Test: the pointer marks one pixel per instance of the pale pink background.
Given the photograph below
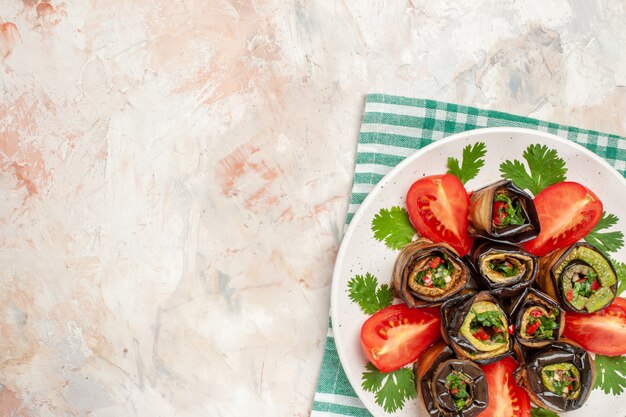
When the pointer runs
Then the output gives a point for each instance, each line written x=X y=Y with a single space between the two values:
x=175 y=176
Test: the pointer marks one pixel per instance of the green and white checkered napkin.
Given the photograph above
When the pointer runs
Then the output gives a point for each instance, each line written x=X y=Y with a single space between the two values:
x=393 y=128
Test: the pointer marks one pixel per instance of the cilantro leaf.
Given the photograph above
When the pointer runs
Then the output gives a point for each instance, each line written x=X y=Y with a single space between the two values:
x=393 y=227
x=390 y=390
x=610 y=374
x=606 y=241
x=363 y=291
x=620 y=268
x=546 y=168
x=472 y=162
x=542 y=412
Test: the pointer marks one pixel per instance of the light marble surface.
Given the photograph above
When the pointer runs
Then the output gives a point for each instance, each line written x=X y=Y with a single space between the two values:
x=175 y=176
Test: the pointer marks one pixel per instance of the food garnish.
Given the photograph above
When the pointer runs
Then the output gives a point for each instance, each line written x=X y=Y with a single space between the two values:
x=396 y=335
x=546 y=168
x=364 y=291
x=472 y=162
x=391 y=390
x=606 y=241
x=393 y=227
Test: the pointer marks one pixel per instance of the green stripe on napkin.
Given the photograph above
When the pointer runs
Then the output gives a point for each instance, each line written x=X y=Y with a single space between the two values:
x=393 y=128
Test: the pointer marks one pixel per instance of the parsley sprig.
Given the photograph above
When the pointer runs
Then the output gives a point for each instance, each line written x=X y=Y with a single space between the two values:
x=504 y=267
x=545 y=165
x=472 y=162
x=393 y=227
x=390 y=390
x=610 y=374
x=364 y=291
x=606 y=241
x=487 y=319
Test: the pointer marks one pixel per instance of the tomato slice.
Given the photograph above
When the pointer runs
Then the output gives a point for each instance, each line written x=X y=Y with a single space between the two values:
x=506 y=398
x=602 y=332
x=438 y=207
x=567 y=212
x=396 y=335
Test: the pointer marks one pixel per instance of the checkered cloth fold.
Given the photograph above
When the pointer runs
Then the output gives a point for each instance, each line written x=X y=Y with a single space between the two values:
x=393 y=128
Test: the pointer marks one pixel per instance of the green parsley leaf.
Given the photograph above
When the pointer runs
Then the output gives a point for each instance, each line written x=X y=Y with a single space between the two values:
x=542 y=412
x=391 y=390
x=363 y=291
x=620 y=268
x=610 y=374
x=472 y=162
x=487 y=319
x=393 y=227
x=606 y=241
x=546 y=168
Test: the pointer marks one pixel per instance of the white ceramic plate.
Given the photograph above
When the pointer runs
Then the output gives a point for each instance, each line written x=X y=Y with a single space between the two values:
x=361 y=253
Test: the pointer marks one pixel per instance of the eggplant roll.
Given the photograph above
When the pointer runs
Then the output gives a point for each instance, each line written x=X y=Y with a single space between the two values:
x=559 y=377
x=476 y=328
x=447 y=386
x=504 y=213
x=503 y=269
x=538 y=319
x=580 y=277
x=427 y=273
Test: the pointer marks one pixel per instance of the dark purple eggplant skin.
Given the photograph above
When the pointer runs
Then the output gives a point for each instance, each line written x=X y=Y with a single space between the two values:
x=481 y=226
x=549 y=283
x=453 y=313
x=509 y=289
x=528 y=375
x=411 y=254
x=430 y=382
x=530 y=299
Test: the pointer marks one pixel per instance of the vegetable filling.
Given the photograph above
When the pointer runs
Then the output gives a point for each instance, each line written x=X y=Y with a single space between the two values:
x=506 y=212
x=457 y=384
x=437 y=273
x=562 y=379
x=488 y=327
x=505 y=267
x=540 y=324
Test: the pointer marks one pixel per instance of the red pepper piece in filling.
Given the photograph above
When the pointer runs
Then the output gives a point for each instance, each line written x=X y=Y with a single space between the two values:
x=570 y=295
x=595 y=285
x=435 y=262
x=499 y=212
x=481 y=334
x=533 y=328
x=428 y=280
x=536 y=313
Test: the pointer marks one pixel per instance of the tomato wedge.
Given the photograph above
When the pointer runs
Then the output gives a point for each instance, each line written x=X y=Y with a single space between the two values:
x=567 y=212
x=506 y=398
x=438 y=207
x=396 y=335
x=603 y=332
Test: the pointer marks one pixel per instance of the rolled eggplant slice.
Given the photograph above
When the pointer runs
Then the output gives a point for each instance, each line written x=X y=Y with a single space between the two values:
x=427 y=273
x=503 y=269
x=476 y=328
x=539 y=319
x=504 y=213
x=559 y=377
x=580 y=277
x=449 y=387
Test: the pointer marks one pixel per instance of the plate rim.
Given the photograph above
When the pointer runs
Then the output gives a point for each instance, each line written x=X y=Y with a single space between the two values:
x=335 y=291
